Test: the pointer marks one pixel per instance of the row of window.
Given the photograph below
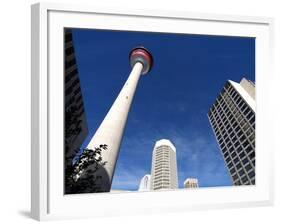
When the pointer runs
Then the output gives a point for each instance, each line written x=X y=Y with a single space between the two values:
x=161 y=161
x=161 y=185
x=158 y=180
x=164 y=168
x=70 y=75
x=240 y=104
x=228 y=128
x=72 y=86
x=162 y=156
x=70 y=63
x=162 y=171
x=162 y=164
x=162 y=153
x=69 y=50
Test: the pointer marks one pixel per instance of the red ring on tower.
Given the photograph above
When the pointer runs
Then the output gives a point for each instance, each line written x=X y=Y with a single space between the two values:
x=142 y=55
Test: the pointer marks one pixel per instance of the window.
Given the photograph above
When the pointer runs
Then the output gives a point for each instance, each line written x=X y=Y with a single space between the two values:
x=241 y=172
x=250 y=115
x=227 y=159
x=252 y=120
x=230 y=165
x=236 y=144
x=252 y=174
x=71 y=74
x=245 y=161
x=236 y=160
x=238 y=166
x=246 y=143
x=249 y=132
x=225 y=154
x=237 y=129
x=70 y=63
x=232 y=171
x=247 y=111
x=254 y=162
x=248 y=167
x=240 y=104
x=242 y=154
x=243 y=107
x=239 y=149
x=244 y=179
x=242 y=138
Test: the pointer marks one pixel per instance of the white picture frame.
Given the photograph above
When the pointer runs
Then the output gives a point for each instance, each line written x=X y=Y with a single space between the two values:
x=48 y=201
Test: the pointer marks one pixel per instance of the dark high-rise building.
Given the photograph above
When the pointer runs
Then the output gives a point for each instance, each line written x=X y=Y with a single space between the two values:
x=232 y=117
x=75 y=123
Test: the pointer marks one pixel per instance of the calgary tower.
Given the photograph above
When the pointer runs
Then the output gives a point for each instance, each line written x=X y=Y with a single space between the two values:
x=110 y=131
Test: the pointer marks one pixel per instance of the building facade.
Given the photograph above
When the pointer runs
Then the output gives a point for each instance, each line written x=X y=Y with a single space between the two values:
x=164 y=174
x=145 y=183
x=75 y=123
x=232 y=117
x=191 y=183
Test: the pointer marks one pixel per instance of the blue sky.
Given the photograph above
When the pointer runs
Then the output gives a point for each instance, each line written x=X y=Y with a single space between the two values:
x=171 y=102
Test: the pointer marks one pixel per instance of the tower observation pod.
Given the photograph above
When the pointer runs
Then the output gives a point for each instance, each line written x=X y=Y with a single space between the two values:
x=110 y=131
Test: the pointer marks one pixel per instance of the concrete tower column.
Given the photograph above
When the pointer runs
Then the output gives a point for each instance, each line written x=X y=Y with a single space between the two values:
x=110 y=131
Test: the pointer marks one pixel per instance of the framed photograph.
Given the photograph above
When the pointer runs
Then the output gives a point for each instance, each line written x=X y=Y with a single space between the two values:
x=137 y=111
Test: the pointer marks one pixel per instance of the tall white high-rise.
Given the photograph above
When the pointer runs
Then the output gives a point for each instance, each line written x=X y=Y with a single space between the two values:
x=164 y=174
x=145 y=183
x=110 y=131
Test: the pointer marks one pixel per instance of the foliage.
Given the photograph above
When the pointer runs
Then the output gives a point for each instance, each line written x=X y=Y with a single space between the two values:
x=82 y=178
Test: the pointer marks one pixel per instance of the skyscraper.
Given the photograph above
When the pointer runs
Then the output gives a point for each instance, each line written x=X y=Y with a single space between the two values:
x=145 y=183
x=76 y=128
x=232 y=117
x=191 y=183
x=164 y=174
x=75 y=123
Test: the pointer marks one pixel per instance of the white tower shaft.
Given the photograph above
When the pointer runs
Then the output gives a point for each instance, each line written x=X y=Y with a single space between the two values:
x=110 y=131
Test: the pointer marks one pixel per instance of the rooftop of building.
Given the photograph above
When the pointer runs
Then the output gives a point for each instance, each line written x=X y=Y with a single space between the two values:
x=165 y=142
x=244 y=93
x=193 y=180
